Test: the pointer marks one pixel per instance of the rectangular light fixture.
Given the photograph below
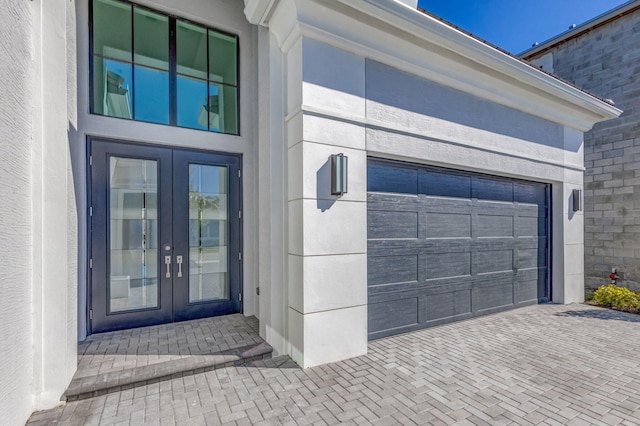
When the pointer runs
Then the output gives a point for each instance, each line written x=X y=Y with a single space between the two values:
x=577 y=200
x=339 y=168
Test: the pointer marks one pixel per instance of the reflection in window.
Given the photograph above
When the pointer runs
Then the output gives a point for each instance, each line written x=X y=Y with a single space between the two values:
x=133 y=69
x=207 y=79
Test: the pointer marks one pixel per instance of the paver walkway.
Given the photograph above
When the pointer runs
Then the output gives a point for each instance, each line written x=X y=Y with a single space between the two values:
x=546 y=364
x=118 y=360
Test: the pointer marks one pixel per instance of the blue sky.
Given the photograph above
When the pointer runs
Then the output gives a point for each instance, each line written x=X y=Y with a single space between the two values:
x=515 y=25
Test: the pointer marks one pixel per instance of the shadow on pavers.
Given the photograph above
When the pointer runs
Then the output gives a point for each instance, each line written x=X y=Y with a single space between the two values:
x=597 y=312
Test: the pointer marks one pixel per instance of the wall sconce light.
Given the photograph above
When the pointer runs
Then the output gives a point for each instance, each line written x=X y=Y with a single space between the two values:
x=577 y=200
x=339 y=167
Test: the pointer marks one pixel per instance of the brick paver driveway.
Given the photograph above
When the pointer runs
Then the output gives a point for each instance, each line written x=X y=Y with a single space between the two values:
x=547 y=364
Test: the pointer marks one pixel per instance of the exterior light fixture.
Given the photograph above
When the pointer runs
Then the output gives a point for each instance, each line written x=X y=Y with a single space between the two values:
x=339 y=168
x=577 y=200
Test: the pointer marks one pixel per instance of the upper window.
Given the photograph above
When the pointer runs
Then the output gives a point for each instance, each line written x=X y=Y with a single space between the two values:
x=151 y=67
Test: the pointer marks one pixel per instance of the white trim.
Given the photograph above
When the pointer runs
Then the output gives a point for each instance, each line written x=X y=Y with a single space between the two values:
x=388 y=127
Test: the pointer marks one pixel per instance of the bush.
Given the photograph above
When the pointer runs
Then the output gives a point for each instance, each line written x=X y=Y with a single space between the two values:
x=612 y=296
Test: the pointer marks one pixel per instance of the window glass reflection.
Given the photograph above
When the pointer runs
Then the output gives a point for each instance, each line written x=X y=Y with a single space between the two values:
x=192 y=103
x=151 y=95
x=133 y=68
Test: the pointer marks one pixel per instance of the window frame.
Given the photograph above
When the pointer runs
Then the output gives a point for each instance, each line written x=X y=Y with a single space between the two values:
x=172 y=67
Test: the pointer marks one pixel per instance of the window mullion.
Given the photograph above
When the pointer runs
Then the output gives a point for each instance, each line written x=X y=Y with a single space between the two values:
x=133 y=64
x=208 y=83
x=173 y=73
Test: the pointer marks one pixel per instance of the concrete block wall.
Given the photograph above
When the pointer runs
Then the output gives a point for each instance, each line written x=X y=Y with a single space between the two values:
x=605 y=62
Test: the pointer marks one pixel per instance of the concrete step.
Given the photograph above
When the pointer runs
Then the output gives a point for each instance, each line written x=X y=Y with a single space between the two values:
x=114 y=381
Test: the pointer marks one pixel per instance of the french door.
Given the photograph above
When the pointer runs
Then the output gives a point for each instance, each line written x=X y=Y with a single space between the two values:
x=164 y=235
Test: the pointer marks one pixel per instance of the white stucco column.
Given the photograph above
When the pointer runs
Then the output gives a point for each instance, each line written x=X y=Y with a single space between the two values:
x=54 y=203
x=327 y=262
x=568 y=227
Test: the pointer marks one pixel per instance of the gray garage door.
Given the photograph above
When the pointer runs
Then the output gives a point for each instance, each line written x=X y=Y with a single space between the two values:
x=447 y=245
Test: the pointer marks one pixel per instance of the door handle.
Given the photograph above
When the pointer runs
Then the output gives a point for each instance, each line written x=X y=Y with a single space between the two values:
x=179 y=262
x=167 y=261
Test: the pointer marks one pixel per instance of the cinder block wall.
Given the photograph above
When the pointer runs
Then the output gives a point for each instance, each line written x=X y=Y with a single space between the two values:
x=606 y=62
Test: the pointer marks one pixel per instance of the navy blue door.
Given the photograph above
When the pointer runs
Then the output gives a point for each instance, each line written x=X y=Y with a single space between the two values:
x=165 y=235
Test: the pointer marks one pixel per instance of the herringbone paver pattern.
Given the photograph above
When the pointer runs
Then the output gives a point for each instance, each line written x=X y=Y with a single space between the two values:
x=137 y=347
x=547 y=364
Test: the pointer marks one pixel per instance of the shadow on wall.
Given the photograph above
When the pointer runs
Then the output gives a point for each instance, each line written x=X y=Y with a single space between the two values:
x=601 y=313
x=78 y=156
x=570 y=212
x=394 y=88
x=323 y=187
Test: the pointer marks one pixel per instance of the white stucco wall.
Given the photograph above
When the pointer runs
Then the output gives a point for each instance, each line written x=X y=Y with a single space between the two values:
x=16 y=140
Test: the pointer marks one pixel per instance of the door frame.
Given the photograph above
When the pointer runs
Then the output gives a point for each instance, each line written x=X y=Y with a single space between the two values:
x=88 y=215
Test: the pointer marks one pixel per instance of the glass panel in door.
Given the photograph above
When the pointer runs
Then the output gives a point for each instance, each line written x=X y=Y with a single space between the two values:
x=133 y=243
x=208 y=249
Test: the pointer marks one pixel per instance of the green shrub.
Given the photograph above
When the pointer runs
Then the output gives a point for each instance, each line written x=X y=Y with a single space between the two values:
x=612 y=296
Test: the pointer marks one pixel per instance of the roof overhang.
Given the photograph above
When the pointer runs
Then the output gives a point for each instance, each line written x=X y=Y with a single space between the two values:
x=389 y=31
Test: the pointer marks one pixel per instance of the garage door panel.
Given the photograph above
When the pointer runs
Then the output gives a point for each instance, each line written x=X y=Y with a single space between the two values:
x=444 y=185
x=463 y=245
x=392 y=269
x=487 y=261
x=497 y=295
x=420 y=288
x=393 y=314
x=448 y=306
x=528 y=226
x=447 y=225
x=532 y=258
x=392 y=224
x=492 y=189
x=396 y=179
x=530 y=194
x=443 y=265
x=526 y=292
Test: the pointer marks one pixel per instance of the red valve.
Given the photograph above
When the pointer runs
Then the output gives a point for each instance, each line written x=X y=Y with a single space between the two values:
x=613 y=276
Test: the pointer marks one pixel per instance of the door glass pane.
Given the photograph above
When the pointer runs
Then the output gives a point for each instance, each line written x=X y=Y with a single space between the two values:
x=133 y=243
x=208 y=277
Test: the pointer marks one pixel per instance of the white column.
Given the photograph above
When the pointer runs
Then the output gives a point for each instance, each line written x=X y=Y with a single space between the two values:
x=327 y=261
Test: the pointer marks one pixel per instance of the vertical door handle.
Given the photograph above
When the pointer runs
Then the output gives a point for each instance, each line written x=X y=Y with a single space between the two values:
x=167 y=261
x=179 y=262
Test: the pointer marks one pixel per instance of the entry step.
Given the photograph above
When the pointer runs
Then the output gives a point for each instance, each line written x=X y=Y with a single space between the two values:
x=120 y=360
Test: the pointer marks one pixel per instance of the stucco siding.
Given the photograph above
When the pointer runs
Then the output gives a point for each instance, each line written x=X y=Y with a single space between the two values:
x=605 y=62
x=416 y=118
x=16 y=103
